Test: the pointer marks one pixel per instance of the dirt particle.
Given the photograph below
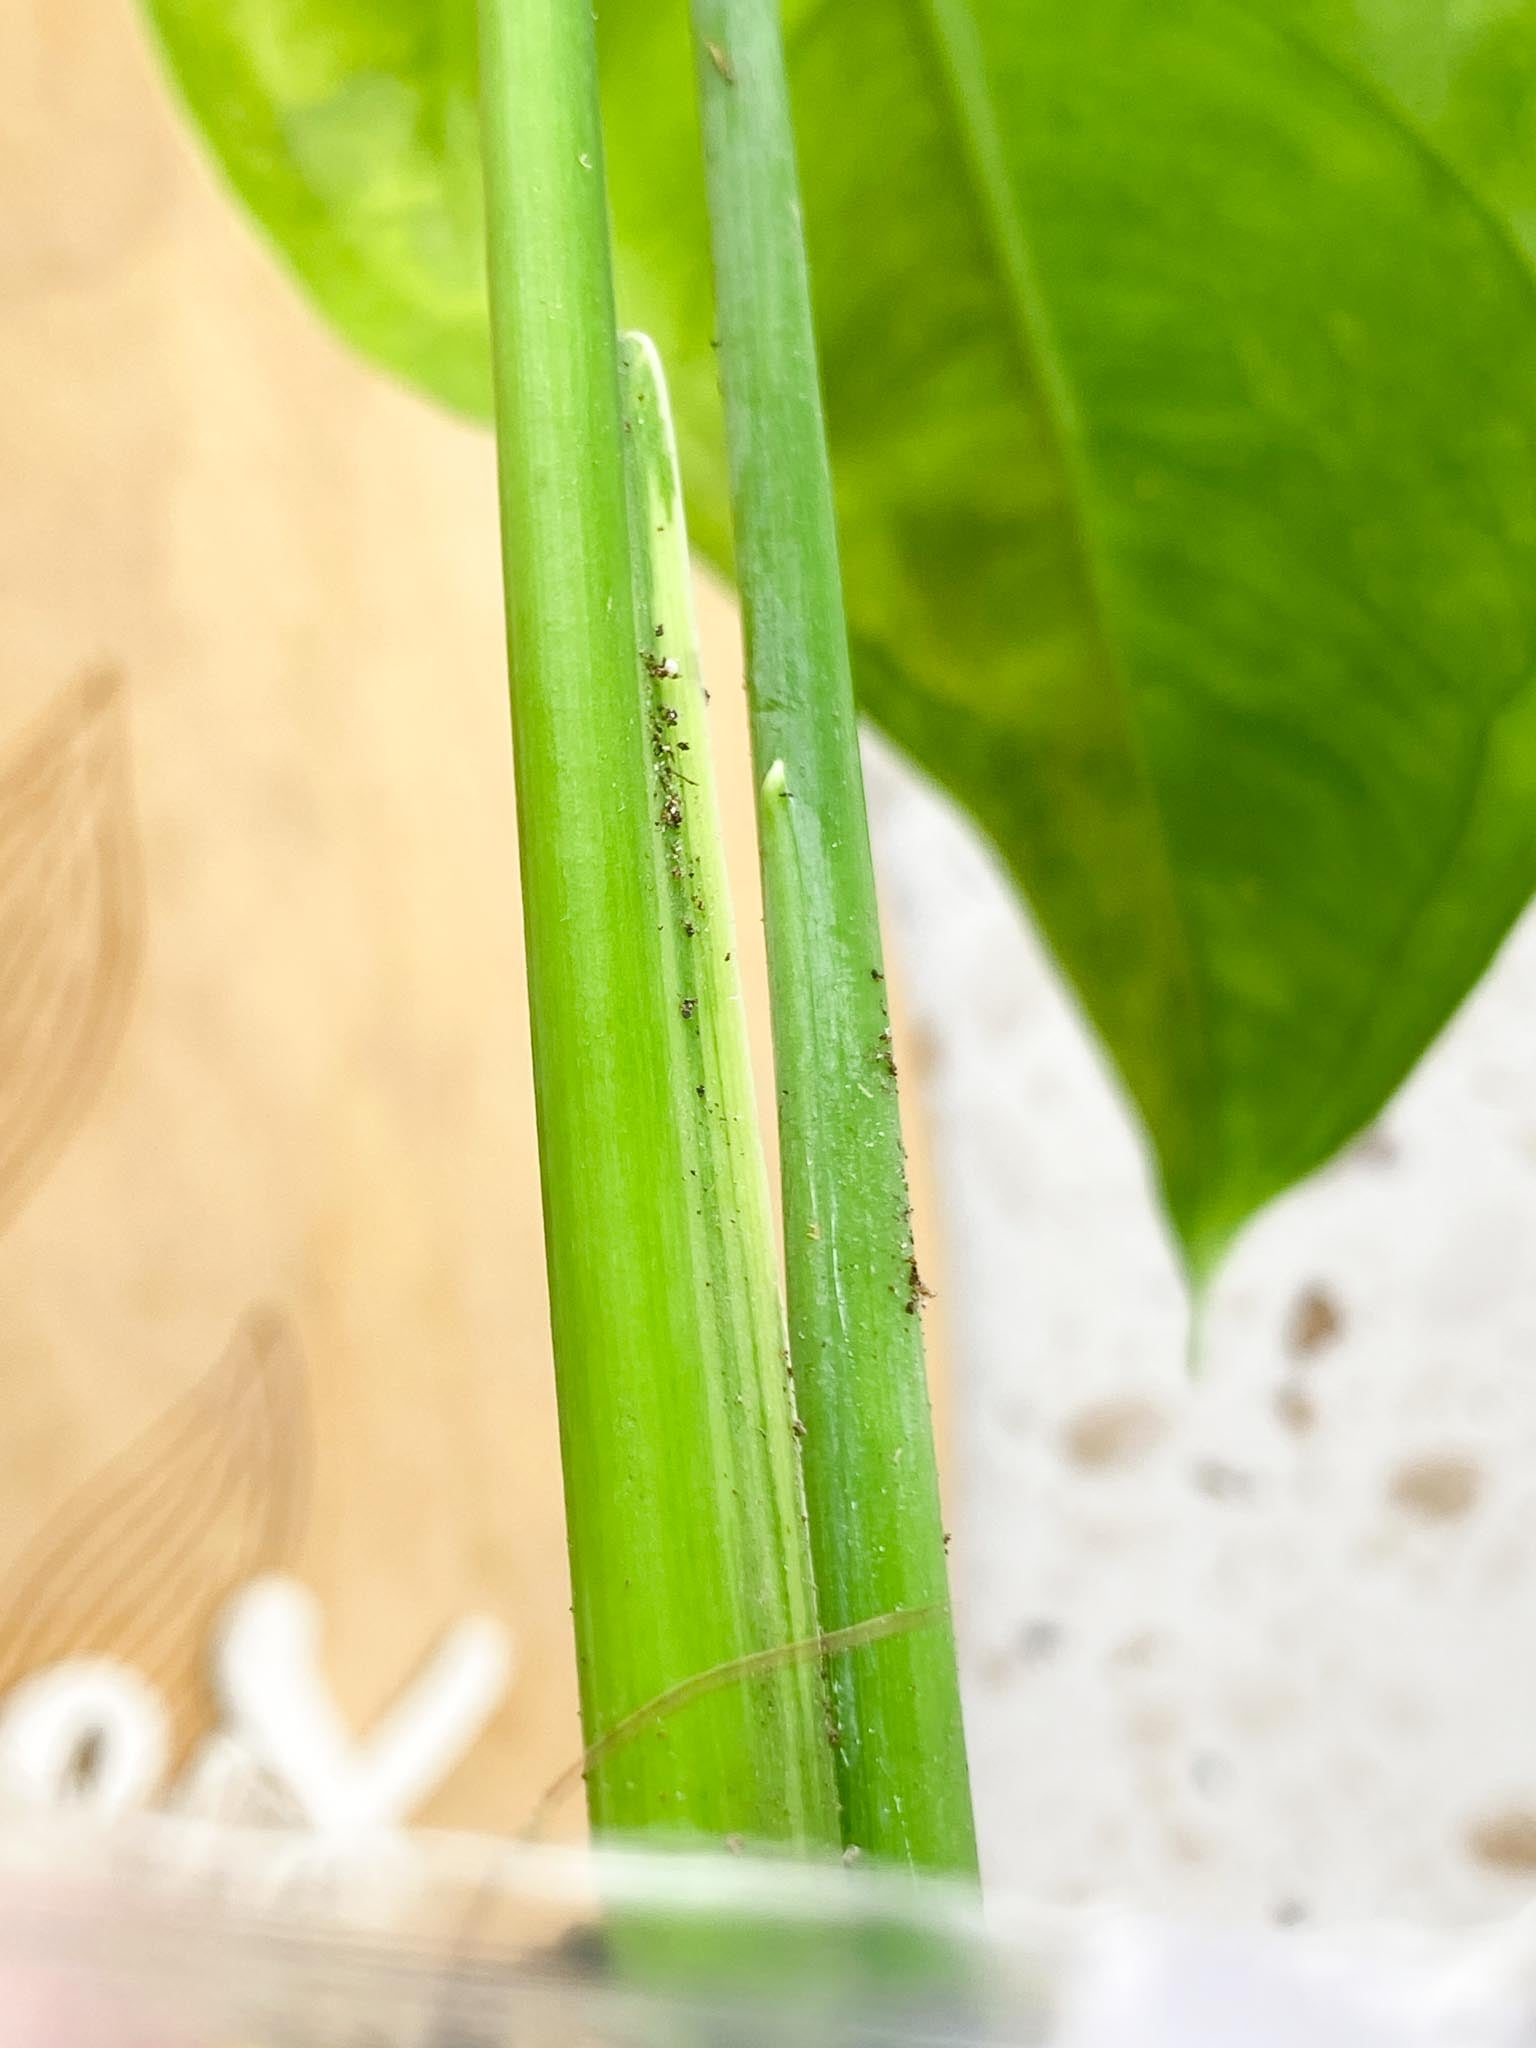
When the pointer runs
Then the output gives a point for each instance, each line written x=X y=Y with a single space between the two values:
x=1296 y=1409
x=1040 y=1640
x=917 y=1292
x=1210 y=1773
x=1505 y=1842
x=688 y=1005
x=1375 y=1147
x=1154 y=1726
x=1221 y=1481
x=1316 y=1321
x=1440 y=1487
x=1112 y=1435
x=1138 y=1651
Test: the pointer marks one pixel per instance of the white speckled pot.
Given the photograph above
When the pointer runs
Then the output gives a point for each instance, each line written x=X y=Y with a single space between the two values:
x=1261 y=1640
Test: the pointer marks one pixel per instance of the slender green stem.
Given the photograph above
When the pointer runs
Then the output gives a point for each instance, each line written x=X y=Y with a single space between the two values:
x=854 y=1295
x=684 y=1521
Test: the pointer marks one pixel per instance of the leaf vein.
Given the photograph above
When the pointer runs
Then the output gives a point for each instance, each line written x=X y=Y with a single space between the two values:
x=950 y=30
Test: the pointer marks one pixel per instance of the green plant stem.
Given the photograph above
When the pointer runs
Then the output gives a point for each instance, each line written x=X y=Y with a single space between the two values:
x=683 y=1520
x=854 y=1294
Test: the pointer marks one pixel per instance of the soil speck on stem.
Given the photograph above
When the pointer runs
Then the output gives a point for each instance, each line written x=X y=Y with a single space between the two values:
x=917 y=1291
x=885 y=1058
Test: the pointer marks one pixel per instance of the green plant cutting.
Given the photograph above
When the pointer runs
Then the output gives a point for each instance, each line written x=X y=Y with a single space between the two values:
x=1174 y=507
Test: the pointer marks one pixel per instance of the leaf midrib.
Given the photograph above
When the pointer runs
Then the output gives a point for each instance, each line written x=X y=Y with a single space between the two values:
x=1386 y=105
x=948 y=26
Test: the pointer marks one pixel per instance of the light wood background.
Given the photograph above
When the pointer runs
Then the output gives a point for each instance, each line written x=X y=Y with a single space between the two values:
x=271 y=1283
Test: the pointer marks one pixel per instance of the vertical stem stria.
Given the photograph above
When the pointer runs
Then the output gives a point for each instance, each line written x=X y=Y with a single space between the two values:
x=687 y=1553
x=854 y=1294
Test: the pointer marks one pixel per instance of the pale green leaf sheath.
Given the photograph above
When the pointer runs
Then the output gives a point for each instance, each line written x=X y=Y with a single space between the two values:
x=1181 y=376
x=695 y=1620
x=759 y=1507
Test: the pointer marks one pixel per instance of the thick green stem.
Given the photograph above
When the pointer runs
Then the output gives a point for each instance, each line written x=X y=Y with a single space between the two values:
x=687 y=1553
x=854 y=1293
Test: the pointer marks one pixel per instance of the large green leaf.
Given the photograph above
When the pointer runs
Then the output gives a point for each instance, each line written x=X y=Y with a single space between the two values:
x=1181 y=364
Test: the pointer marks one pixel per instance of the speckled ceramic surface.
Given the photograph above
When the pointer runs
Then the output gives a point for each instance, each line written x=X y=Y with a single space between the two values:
x=1262 y=1640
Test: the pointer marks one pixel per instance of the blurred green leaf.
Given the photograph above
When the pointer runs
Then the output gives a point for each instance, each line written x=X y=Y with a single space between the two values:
x=1181 y=366
x=350 y=128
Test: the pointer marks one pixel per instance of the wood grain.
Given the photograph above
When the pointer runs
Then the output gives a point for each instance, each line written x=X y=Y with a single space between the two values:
x=274 y=1012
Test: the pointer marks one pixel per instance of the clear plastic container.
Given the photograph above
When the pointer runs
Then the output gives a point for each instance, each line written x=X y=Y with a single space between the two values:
x=178 y=1935
x=181 y=1935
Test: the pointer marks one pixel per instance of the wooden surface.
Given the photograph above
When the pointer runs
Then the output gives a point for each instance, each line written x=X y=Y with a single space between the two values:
x=271 y=1283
